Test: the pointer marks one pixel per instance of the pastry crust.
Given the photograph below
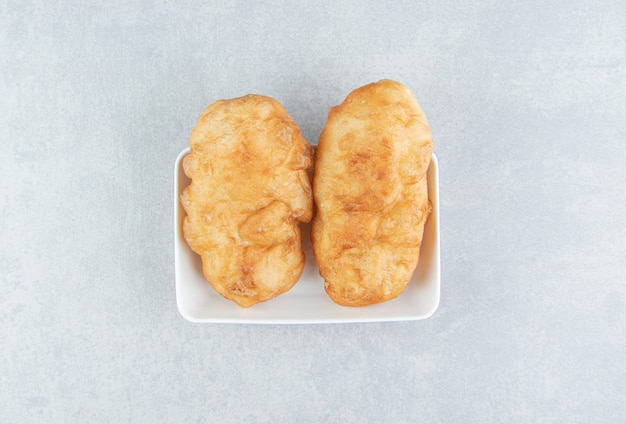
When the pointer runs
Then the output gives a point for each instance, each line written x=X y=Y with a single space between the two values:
x=249 y=191
x=371 y=194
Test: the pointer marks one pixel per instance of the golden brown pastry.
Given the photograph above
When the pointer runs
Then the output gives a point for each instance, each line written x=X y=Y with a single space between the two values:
x=371 y=194
x=249 y=191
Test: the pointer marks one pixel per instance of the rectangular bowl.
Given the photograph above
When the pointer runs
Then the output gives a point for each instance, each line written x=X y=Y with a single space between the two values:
x=306 y=302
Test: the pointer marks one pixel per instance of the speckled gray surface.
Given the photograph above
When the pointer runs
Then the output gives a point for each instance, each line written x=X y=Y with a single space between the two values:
x=527 y=106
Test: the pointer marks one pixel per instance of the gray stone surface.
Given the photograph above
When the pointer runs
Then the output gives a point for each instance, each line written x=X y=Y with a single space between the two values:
x=527 y=104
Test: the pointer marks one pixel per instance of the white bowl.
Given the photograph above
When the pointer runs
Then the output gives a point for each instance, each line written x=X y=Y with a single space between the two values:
x=306 y=302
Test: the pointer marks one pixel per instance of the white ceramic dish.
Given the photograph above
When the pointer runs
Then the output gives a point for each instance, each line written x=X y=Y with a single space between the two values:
x=307 y=301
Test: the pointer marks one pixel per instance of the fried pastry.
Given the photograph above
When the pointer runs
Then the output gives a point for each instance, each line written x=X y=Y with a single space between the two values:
x=249 y=191
x=371 y=194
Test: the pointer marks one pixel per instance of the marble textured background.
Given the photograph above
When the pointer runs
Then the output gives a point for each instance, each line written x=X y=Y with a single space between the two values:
x=527 y=106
